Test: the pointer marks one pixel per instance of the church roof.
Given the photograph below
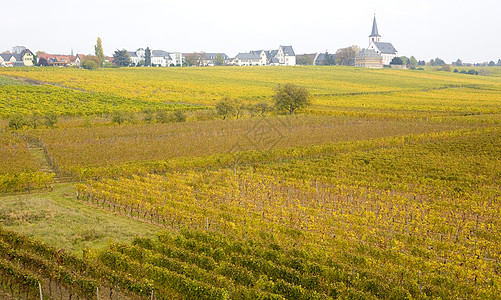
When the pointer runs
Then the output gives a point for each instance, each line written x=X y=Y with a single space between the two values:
x=385 y=48
x=374 y=29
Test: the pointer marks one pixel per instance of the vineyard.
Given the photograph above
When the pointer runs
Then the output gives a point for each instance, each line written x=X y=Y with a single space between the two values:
x=43 y=99
x=386 y=187
x=82 y=152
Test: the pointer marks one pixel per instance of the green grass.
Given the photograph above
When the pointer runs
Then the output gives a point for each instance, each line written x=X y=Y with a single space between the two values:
x=57 y=219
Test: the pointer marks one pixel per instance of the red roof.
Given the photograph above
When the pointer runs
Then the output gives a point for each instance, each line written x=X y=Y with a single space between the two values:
x=57 y=58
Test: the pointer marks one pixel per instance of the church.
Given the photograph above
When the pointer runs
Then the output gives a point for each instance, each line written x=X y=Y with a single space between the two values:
x=385 y=50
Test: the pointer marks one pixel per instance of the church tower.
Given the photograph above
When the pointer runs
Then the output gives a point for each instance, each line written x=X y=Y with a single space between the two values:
x=374 y=37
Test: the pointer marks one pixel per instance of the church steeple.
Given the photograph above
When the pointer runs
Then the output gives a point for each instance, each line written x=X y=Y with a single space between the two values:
x=374 y=37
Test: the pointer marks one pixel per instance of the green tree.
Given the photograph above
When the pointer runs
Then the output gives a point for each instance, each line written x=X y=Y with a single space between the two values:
x=499 y=63
x=35 y=120
x=17 y=121
x=459 y=63
x=225 y=107
x=262 y=108
x=304 y=60
x=492 y=63
x=147 y=57
x=413 y=61
x=163 y=116
x=289 y=97
x=239 y=108
x=89 y=65
x=192 y=59
x=218 y=60
x=396 y=61
x=445 y=68
x=99 y=52
x=346 y=56
x=405 y=60
x=121 y=58
x=179 y=115
x=51 y=119
x=118 y=117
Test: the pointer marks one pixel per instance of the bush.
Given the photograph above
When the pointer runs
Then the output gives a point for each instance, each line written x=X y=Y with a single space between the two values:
x=17 y=121
x=89 y=65
x=179 y=115
x=118 y=117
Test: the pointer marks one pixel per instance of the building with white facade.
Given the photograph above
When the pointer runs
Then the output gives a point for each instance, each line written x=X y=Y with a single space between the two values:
x=22 y=59
x=386 y=50
x=284 y=56
x=159 y=58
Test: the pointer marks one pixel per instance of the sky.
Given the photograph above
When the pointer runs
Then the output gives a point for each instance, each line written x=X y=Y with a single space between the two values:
x=449 y=29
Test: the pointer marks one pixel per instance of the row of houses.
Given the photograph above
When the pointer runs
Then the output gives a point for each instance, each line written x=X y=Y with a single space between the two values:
x=23 y=59
x=283 y=56
x=375 y=56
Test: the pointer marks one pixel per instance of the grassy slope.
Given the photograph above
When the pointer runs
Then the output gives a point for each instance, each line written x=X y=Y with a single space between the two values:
x=56 y=218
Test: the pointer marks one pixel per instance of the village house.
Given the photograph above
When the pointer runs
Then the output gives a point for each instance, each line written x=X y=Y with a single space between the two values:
x=159 y=58
x=23 y=59
x=368 y=58
x=58 y=60
x=284 y=56
x=385 y=50
x=247 y=59
x=213 y=59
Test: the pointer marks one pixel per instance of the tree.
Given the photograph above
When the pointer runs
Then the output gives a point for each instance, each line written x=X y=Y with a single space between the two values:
x=219 y=60
x=225 y=107
x=118 y=117
x=262 y=108
x=99 y=52
x=396 y=61
x=194 y=59
x=413 y=61
x=147 y=57
x=239 y=107
x=499 y=63
x=35 y=120
x=289 y=97
x=179 y=115
x=437 y=62
x=329 y=59
x=304 y=60
x=446 y=68
x=421 y=63
x=405 y=60
x=459 y=63
x=51 y=119
x=163 y=116
x=492 y=64
x=18 y=49
x=17 y=121
x=346 y=56
x=89 y=65
x=121 y=58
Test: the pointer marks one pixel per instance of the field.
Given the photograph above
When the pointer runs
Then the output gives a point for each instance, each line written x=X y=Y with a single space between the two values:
x=386 y=187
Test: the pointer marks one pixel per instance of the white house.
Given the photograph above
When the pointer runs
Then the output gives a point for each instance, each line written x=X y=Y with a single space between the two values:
x=386 y=50
x=284 y=56
x=247 y=59
x=24 y=58
x=212 y=59
x=158 y=57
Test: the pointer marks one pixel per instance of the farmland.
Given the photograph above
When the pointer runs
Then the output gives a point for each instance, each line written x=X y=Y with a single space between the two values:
x=385 y=187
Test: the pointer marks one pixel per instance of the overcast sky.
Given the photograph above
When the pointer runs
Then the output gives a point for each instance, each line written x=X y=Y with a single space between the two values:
x=449 y=29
